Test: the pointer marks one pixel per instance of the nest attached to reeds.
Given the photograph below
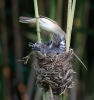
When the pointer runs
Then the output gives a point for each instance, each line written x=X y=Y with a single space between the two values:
x=54 y=70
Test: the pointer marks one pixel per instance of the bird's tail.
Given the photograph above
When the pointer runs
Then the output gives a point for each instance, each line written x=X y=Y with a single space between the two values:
x=28 y=20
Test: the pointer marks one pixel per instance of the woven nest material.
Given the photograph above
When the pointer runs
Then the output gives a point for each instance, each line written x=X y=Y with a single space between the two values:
x=54 y=70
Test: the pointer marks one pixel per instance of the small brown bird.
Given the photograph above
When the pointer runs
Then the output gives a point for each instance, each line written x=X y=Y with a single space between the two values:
x=49 y=25
x=46 y=24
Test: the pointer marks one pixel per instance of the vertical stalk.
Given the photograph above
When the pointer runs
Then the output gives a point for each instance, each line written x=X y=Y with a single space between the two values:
x=38 y=30
x=37 y=21
x=68 y=32
x=80 y=41
x=63 y=97
x=70 y=22
x=68 y=26
x=43 y=95
x=72 y=17
x=72 y=12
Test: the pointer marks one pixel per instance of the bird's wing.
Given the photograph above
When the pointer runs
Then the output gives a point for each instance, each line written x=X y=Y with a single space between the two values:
x=49 y=19
x=24 y=19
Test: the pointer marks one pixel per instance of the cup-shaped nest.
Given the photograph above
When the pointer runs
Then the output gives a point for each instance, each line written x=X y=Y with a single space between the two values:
x=54 y=70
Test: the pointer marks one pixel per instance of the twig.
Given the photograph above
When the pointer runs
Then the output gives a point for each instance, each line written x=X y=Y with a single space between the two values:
x=80 y=61
x=52 y=98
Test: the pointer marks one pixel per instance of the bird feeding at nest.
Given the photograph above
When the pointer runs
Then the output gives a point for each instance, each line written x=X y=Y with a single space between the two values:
x=49 y=25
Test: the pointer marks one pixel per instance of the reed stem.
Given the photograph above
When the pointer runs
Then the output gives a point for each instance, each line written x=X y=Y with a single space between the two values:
x=63 y=97
x=70 y=17
x=68 y=25
x=43 y=95
x=37 y=20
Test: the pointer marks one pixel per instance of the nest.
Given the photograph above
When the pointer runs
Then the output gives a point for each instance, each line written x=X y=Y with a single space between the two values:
x=54 y=70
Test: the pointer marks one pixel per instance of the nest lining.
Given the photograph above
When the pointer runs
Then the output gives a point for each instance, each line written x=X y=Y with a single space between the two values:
x=54 y=70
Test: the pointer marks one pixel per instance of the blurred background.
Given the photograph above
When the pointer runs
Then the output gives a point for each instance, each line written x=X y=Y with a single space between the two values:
x=17 y=80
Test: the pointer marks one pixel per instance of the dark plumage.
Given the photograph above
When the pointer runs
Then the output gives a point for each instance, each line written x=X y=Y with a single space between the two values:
x=56 y=46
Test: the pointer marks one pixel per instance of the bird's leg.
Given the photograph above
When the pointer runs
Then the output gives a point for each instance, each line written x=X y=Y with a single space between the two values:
x=35 y=46
x=26 y=58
